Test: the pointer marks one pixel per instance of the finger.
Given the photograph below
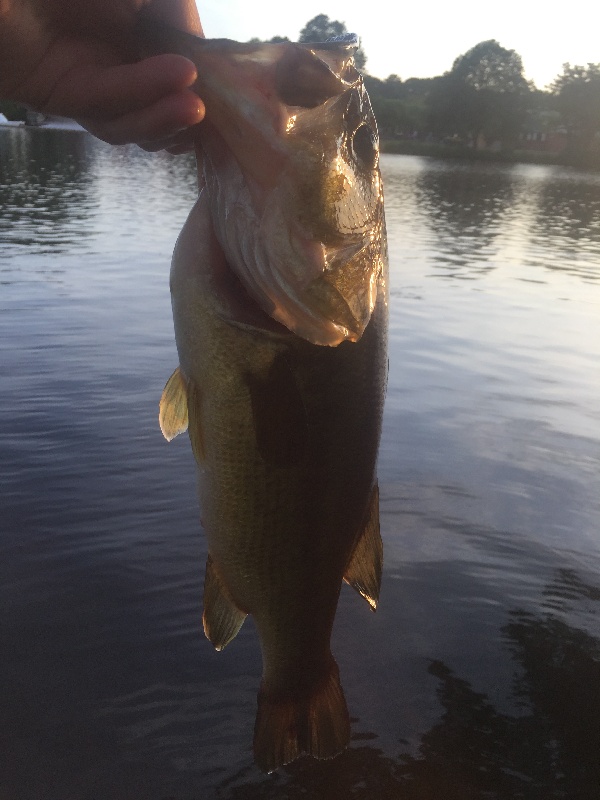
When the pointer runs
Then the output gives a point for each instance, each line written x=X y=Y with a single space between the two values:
x=162 y=120
x=182 y=14
x=112 y=91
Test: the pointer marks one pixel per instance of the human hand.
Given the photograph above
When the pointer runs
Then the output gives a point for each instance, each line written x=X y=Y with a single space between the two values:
x=73 y=58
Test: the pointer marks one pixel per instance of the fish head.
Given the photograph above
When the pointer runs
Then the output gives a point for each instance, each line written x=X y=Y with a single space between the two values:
x=332 y=197
x=291 y=166
x=296 y=191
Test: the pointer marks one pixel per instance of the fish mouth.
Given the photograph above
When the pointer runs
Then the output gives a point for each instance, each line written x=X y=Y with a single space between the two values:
x=324 y=299
x=345 y=293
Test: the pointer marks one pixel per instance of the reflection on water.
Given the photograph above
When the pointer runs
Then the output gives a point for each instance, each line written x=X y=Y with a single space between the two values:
x=549 y=749
x=567 y=221
x=478 y=676
x=44 y=197
x=466 y=210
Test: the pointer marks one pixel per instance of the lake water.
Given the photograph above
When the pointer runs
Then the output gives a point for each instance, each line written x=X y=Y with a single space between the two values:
x=479 y=676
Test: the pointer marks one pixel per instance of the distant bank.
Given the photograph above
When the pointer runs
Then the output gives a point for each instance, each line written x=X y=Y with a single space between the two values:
x=414 y=147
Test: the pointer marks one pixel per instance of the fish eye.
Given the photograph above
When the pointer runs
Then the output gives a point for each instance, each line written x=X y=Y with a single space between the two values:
x=364 y=146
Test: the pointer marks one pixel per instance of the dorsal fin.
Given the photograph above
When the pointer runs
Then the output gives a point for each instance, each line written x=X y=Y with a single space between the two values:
x=173 y=407
x=363 y=572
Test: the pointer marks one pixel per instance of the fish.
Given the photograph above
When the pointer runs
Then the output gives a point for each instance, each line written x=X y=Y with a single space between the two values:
x=279 y=290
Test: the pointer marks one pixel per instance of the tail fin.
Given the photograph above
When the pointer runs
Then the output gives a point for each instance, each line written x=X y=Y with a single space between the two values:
x=288 y=725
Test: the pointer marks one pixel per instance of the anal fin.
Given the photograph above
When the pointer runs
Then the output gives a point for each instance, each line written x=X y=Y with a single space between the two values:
x=222 y=619
x=363 y=572
x=173 y=408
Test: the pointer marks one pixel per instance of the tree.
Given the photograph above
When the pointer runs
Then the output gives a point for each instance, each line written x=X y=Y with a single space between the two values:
x=393 y=118
x=577 y=93
x=399 y=106
x=488 y=65
x=393 y=88
x=483 y=97
x=321 y=28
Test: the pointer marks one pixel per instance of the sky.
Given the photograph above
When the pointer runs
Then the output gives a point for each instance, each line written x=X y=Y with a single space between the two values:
x=422 y=39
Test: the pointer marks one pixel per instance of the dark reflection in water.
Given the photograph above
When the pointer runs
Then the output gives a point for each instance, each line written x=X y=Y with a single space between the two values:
x=478 y=676
x=44 y=190
x=570 y=207
x=466 y=208
x=549 y=750
x=567 y=220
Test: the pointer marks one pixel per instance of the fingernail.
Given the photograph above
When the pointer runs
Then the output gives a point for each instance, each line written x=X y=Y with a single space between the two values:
x=193 y=76
x=199 y=113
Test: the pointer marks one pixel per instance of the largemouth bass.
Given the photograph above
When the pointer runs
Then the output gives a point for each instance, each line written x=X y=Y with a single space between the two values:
x=279 y=293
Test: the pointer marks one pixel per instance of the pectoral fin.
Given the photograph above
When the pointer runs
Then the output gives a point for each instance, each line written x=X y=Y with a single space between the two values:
x=363 y=572
x=179 y=409
x=173 y=409
x=221 y=618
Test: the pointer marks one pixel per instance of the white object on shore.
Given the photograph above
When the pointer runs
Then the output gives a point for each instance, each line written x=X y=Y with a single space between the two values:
x=10 y=123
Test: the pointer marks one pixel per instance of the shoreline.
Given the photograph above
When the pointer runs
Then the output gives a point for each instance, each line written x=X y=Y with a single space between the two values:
x=407 y=147
x=411 y=147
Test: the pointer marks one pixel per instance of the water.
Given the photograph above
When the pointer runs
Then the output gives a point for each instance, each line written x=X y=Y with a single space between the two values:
x=479 y=676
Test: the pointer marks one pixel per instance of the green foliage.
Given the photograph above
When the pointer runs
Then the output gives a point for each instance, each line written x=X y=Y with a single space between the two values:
x=392 y=116
x=420 y=87
x=398 y=118
x=393 y=87
x=321 y=28
x=575 y=76
x=483 y=98
x=577 y=95
x=488 y=65
x=272 y=40
x=399 y=106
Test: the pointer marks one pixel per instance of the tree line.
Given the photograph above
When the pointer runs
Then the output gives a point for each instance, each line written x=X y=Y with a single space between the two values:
x=483 y=101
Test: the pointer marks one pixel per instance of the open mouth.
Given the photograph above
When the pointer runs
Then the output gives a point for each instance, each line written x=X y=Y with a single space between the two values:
x=324 y=298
